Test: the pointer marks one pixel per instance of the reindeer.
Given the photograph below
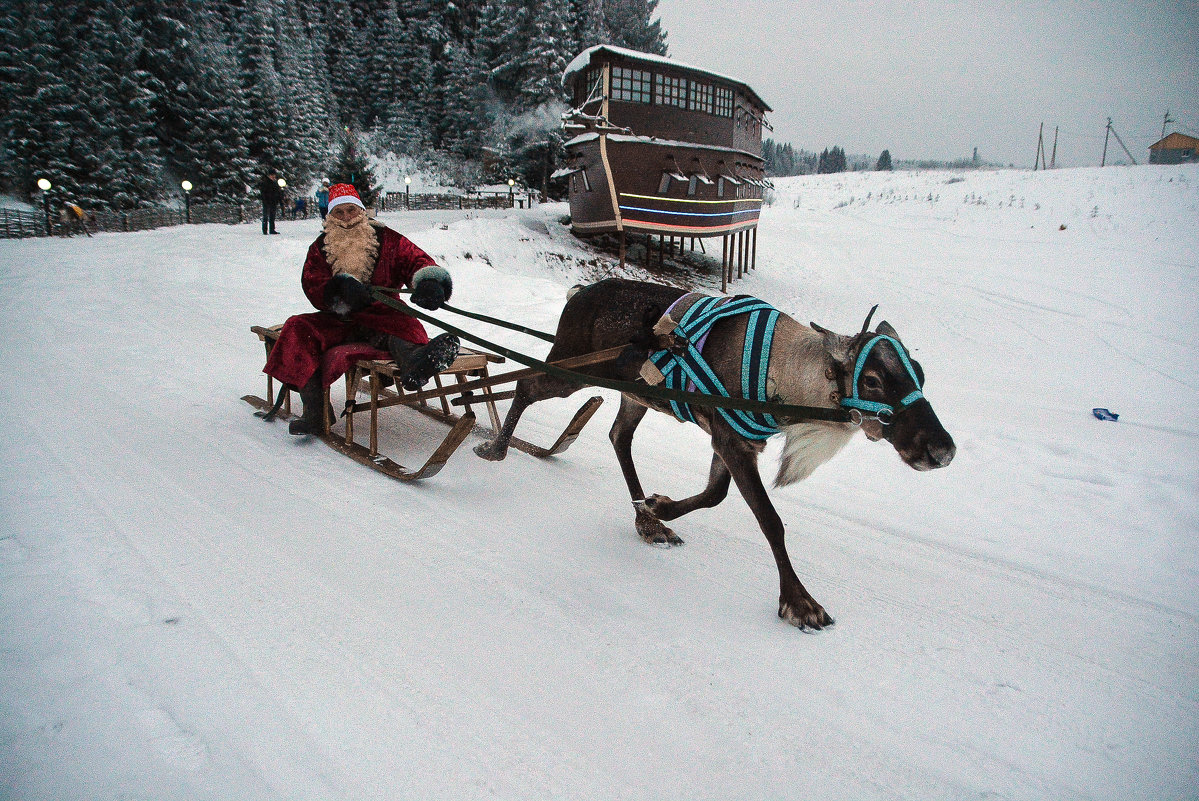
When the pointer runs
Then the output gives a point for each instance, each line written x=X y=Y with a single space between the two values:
x=871 y=374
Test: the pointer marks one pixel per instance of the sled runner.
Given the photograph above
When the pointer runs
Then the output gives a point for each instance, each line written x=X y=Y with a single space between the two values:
x=467 y=382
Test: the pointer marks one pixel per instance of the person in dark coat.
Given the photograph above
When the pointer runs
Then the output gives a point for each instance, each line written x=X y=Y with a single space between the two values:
x=272 y=195
x=322 y=201
x=352 y=254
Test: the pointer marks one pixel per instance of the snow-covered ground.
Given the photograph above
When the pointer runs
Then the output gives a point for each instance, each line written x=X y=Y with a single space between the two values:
x=198 y=606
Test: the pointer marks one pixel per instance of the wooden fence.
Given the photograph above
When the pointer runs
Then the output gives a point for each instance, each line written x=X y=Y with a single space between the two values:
x=16 y=224
x=403 y=201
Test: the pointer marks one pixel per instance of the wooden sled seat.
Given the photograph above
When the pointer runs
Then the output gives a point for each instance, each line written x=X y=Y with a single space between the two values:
x=371 y=372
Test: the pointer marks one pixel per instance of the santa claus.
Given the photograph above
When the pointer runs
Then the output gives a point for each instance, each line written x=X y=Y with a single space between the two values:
x=353 y=253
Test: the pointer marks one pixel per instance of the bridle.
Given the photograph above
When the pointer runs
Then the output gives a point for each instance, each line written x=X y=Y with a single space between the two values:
x=861 y=410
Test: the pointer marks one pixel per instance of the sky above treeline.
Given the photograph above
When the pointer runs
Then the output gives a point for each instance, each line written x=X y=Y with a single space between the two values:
x=934 y=80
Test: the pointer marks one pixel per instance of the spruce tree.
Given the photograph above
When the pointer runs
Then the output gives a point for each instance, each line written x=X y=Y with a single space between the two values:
x=884 y=161
x=351 y=168
x=631 y=25
x=545 y=52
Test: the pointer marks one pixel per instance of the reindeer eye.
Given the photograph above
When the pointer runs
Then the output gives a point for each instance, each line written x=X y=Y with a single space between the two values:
x=872 y=382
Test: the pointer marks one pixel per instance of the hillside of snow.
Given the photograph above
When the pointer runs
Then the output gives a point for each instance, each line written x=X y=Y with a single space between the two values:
x=199 y=606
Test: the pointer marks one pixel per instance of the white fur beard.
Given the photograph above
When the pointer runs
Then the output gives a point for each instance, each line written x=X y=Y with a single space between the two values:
x=352 y=248
x=809 y=445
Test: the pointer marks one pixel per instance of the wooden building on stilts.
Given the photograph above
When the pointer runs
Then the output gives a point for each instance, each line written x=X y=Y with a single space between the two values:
x=664 y=150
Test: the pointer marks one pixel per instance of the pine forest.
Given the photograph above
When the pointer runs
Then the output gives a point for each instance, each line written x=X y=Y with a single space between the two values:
x=117 y=102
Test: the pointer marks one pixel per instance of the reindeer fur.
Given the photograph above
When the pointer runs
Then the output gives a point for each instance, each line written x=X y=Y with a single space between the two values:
x=808 y=366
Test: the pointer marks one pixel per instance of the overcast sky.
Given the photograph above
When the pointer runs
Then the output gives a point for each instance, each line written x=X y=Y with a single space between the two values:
x=934 y=80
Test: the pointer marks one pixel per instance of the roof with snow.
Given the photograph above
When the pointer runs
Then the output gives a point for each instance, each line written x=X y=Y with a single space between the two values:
x=583 y=60
x=653 y=140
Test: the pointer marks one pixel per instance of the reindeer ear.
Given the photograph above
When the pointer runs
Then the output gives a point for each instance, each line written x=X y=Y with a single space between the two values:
x=887 y=330
x=838 y=346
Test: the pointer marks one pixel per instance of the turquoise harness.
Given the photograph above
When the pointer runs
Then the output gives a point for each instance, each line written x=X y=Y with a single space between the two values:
x=883 y=412
x=688 y=365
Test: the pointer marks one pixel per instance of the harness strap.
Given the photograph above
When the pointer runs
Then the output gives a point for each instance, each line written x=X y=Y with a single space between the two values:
x=686 y=364
x=789 y=413
x=855 y=402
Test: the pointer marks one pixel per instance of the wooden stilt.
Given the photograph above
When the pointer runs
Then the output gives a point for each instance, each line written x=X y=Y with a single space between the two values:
x=622 y=248
x=724 y=268
x=753 y=262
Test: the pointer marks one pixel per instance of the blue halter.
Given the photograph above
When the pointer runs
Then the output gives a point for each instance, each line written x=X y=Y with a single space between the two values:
x=882 y=412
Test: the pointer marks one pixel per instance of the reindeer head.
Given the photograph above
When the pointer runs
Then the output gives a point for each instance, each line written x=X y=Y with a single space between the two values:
x=884 y=383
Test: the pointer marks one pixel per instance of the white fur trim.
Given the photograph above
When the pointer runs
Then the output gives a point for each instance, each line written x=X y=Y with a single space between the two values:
x=337 y=201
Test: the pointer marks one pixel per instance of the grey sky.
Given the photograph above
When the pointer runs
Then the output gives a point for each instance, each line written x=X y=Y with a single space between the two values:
x=937 y=79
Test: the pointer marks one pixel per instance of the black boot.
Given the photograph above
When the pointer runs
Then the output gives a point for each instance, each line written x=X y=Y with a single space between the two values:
x=312 y=395
x=422 y=363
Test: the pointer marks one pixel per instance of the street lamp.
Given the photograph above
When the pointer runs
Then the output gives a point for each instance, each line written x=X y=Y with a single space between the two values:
x=511 y=202
x=44 y=185
x=187 y=200
x=407 y=192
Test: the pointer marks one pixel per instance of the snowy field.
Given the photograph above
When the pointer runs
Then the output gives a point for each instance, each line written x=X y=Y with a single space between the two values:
x=198 y=606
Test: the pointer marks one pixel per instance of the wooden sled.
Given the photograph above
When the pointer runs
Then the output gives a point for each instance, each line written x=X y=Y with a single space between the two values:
x=371 y=377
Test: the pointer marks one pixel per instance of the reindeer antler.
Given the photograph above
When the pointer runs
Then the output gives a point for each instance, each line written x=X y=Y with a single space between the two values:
x=866 y=325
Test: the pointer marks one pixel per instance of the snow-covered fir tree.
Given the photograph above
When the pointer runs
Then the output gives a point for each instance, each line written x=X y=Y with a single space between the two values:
x=116 y=101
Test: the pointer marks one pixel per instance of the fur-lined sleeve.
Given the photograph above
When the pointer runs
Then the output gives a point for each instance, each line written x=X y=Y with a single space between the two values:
x=317 y=273
x=401 y=258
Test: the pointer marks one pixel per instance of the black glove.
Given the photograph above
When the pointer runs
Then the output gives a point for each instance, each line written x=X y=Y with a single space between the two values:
x=345 y=295
x=429 y=294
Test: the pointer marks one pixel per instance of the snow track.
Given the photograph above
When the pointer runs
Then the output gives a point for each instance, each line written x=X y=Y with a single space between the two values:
x=199 y=606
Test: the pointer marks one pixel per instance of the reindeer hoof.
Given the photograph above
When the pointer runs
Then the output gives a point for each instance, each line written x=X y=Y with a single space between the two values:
x=653 y=530
x=805 y=615
x=490 y=452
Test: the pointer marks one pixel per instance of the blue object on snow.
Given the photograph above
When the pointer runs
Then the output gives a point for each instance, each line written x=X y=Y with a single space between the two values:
x=1104 y=414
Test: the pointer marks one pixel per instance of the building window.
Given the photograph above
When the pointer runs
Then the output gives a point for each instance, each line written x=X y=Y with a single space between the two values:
x=581 y=178
x=631 y=85
x=724 y=102
x=669 y=175
x=670 y=91
x=593 y=86
x=701 y=97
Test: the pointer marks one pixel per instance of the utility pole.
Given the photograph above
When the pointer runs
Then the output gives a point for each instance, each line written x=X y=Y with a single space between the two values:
x=1053 y=158
x=1108 y=133
x=1040 y=157
x=1165 y=121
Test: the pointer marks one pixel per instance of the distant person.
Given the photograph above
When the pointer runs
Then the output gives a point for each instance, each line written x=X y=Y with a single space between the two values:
x=322 y=201
x=353 y=254
x=299 y=209
x=271 y=194
x=74 y=219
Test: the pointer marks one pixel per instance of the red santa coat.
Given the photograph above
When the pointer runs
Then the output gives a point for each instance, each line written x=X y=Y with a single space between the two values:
x=306 y=341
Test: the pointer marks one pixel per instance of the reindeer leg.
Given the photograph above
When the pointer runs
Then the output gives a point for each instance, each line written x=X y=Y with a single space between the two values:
x=649 y=527
x=796 y=605
x=528 y=392
x=716 y=491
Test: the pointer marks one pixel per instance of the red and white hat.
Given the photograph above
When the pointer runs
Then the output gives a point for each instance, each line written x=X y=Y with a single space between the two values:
x=344 y=193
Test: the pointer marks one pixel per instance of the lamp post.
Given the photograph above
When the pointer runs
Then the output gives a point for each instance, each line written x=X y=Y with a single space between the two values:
x=44 y=185
x=187 y=200
x=407 y=192
x=511 y=201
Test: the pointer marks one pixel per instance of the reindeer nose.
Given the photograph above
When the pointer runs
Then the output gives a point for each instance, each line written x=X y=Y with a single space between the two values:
x=942 y=453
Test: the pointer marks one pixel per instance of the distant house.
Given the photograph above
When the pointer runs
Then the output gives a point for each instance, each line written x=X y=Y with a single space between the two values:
x=663 y=148
x=1174 y=149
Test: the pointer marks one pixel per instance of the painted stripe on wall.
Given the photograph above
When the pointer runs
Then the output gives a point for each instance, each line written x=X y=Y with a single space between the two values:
x=691 y=213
